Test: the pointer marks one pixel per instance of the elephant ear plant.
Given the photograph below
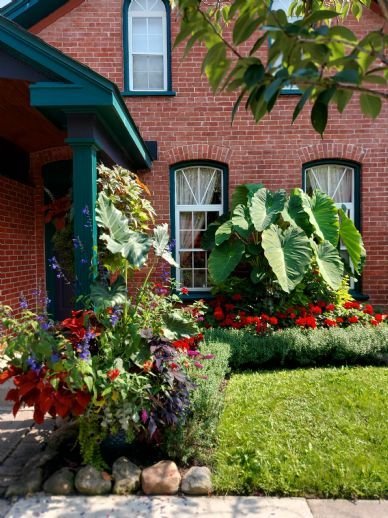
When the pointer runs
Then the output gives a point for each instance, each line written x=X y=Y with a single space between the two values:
x=281 y=239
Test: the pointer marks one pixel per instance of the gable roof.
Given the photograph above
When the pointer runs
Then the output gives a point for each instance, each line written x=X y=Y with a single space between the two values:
x=74 y=86
x=29 y=12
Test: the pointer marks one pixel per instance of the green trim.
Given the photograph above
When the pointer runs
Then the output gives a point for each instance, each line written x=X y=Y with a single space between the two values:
x=167 y=93
x=127 y=91
x=29 y=12
x=290 y=91
x=76 y=86
x=85 y=226
x=198 y=294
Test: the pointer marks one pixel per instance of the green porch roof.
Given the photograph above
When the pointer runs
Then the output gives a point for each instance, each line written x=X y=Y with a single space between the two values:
x=29 y=12
x=74 y=88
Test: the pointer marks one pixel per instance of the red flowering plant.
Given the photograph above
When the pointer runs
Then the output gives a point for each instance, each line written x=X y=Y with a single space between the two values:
x=233 y=313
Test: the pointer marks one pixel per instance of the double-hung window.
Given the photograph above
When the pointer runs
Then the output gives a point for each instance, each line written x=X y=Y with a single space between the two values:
x=148 y=50
x=198 y=199
x=341 y=181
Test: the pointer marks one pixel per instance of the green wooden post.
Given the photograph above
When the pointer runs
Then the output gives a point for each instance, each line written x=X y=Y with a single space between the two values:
x=84 y=202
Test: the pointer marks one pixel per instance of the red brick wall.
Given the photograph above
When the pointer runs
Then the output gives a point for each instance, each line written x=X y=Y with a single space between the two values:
x=196 y=125
x=19 y=271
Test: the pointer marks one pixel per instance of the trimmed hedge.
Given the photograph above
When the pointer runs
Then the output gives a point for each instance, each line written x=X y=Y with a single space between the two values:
x=301 y=348
x=196 y=438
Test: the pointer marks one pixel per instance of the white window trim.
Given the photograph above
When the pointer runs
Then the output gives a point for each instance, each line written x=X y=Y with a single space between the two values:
x=147 y=14
x=193 y=208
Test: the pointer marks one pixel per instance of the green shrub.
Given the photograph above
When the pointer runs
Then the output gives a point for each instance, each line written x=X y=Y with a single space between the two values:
x=302 y=347
x=196 y=438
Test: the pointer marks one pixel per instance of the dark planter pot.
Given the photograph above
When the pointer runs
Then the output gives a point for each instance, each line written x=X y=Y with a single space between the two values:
x=140 y=452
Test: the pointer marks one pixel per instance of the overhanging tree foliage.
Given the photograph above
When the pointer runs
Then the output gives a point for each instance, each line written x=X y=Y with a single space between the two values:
x=256 y=52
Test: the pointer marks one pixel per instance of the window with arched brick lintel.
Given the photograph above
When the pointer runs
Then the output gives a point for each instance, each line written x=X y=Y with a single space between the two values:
x=198 y=197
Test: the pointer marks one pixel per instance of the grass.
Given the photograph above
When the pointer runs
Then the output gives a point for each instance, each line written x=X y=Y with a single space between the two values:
x=321 y=432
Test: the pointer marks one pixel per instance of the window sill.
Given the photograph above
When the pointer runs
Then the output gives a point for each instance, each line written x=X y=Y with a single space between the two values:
x=167 y=93
x=290 y=91
x=361 y=297
x=195 y=295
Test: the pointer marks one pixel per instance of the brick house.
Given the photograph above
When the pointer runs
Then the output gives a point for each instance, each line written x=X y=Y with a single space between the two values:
x=140 y=104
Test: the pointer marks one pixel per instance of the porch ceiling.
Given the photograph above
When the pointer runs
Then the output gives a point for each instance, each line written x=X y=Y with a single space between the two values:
x=20 y=123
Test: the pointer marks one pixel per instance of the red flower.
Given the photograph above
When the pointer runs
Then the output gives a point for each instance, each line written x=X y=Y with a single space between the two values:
x=315 y=310
x=374 y=322
x=351 y=305
x=236 y=297
x=353 y=320
x=306 y=322
x=229 y=307
x=368 y=309
x=273 y=321
x=330 y=322
x=339 y=320
x=330 y=307
x=184 y=291
x=218 y=313
x=174 y=365
x=379 y=317
x=113 y=374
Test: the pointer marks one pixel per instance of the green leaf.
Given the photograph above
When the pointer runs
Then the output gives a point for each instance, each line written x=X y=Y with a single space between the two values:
x=370 y=105
x=160 y=243
x=241 y=221
x=244 y=27
x=177 y=324
x=288 y=253
x=342 y=32
x=208 y=241
x=265 y=207
x=108 y=296
x=254 y=74
x=319 y=115
x=348 y=75
x=329 y=263
x=257 y=275
x=352 y=240
x=224 y=259
x=223 y=232
x=318 y=16
x=244 y=192
x=324 y=217
x=342 y=97
x=111 y=219
x=319 y=112
x=302 y=101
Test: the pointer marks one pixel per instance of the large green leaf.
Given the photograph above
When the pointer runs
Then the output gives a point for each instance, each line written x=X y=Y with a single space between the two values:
x=223 y=232
x=295 y=213
x=329 y=263
x=243 y=193
x=112 y=219
x=160 y=243
x=265 y=207
x=136 y=249
x=108 y=296
x=288 y=253
x=224 y=259
x=177 y=324
x=352 y=239
x=208 y=241
x=321 y=212
x=241 y=221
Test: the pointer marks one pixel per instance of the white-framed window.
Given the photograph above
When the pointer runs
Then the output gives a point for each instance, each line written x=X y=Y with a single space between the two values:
x=147 y=46
x=341 y=182
x=199 y=200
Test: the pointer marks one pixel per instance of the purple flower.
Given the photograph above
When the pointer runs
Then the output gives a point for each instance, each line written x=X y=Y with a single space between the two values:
x=198 y=365
x=144 y=416
x=34 y=365
x=193 y=353
x=55 y=357
x=208 y=357
x=115 y=316
x=84 y=345
x=23 y=304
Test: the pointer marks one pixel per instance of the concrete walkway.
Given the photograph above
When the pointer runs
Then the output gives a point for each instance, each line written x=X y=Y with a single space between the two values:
x=20 y=439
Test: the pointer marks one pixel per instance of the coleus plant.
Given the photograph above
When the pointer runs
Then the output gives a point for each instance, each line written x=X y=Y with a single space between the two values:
x=281 y=237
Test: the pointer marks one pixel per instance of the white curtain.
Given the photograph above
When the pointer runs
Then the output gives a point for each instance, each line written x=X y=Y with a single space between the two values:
x=334 y=180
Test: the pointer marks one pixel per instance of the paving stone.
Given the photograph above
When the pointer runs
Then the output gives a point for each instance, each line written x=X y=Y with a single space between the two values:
x=5 y=506
x=160 y=507
x=346 y=509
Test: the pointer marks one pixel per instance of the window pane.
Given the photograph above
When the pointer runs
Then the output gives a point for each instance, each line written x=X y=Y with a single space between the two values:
x=185 y=220
x=146 y=65
x=335 y=180
x=199 y=279
x=211 y=217
x=187 y=278
x=186 y=259
x=199 y=259
x=186 y=239
x=199 y=220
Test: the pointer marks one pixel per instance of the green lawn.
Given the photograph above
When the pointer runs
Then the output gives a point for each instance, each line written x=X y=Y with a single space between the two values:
x=320 y=432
